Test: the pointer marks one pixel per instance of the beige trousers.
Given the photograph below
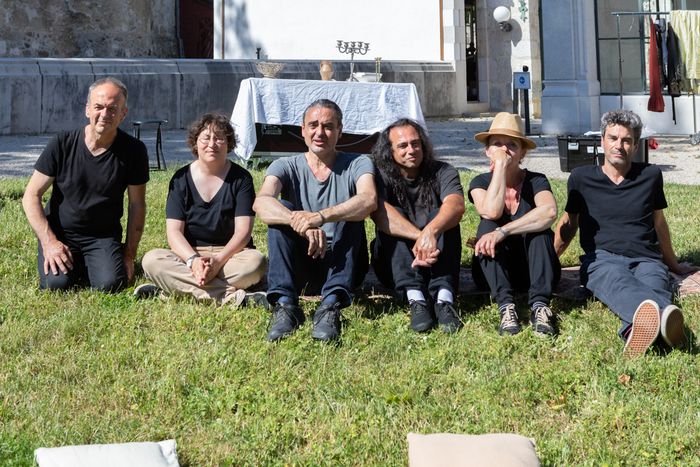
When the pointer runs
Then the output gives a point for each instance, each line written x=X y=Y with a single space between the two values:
x=172 y=275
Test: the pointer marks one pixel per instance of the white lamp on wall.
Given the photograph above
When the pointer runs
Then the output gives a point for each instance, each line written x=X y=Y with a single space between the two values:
x=502 y=15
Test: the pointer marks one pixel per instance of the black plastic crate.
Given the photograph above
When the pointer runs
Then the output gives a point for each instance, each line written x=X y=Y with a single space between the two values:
x=576 y=151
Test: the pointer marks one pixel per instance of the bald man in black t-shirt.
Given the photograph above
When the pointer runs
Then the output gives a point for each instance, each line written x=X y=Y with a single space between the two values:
x=89 y=170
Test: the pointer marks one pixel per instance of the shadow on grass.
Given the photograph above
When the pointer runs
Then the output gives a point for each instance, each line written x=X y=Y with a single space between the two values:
x=663 y=349
x=375 y=306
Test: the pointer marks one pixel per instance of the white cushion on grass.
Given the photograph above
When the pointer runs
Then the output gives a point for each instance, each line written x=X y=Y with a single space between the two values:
x=447 y=449
x=146 y=454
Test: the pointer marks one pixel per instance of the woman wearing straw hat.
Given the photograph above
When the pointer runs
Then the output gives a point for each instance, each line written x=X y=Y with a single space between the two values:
x=514 y=250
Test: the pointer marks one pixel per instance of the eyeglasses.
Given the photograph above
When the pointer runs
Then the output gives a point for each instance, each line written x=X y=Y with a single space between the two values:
x=206 y=139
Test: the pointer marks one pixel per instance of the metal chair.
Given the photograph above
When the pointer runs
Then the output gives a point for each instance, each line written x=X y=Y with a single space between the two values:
x=159 y=140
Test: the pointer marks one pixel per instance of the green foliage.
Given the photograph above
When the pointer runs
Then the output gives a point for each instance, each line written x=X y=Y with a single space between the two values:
x=84 y=367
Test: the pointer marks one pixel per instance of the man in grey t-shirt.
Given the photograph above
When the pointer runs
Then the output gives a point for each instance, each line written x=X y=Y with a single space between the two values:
x=316 y=234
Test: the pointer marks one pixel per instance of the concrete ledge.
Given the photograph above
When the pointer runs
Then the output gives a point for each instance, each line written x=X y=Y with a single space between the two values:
x=64 y=88
x=20 y=96
x=154 y=87
x=44 y=95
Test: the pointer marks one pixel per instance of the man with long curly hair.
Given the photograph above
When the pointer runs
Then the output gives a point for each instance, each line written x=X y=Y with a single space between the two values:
x=417 y=249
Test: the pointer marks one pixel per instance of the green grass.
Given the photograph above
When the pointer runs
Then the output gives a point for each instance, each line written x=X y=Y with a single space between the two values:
x=85 y=367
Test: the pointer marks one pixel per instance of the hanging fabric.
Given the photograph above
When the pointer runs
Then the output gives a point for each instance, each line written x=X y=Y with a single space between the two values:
x=686 y=24
x=656 y=98
x=660 y=30
x=674 y=67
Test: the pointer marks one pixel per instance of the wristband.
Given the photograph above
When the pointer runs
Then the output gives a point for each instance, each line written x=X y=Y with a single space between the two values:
x=503 y=231
x=323 y=219
x=191 y=259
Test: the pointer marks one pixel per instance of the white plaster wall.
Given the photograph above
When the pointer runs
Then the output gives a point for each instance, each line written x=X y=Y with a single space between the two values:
x=526 y=51
x=308 y=29
x=570 y=98
x=454 y=50
x=659 y=122
x=503 y=52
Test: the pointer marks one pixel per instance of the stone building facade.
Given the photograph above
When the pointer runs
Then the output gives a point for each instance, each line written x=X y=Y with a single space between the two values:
x=89 y=28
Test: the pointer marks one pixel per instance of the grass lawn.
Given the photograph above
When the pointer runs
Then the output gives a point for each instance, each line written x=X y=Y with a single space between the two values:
x=85 y=367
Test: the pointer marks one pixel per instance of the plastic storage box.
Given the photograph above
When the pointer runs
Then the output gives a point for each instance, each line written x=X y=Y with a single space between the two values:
x=576 y=151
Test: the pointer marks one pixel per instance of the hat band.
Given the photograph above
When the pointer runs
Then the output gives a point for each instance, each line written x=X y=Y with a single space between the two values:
x=506 y=131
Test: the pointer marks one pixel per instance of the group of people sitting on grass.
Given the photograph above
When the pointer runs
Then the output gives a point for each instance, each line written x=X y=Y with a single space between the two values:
x=315 y=204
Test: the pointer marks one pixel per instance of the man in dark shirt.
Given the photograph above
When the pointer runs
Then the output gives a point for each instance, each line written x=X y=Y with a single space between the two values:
x=89 y=169
x=625 y=237
x=417 y=249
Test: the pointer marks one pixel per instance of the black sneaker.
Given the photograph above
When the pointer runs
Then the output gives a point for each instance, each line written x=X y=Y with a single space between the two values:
x=542 y=320
x=326 y=322
x=422 y=318
x=147 y=290
x=447 y=318
x=509 y=320
x=284 y=321
x=256 y=299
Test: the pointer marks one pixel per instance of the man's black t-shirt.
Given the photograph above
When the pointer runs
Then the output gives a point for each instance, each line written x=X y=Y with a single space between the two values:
x=448 y=183
x=617 y=218
x=533 y=183
x=210 y=223
x=88 y=191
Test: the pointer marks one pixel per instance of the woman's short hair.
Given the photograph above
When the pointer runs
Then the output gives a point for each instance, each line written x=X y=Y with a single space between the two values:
x=221 y=125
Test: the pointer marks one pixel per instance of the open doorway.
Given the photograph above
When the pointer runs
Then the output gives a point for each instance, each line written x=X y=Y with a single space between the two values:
x=471 y=50
x=197 y=28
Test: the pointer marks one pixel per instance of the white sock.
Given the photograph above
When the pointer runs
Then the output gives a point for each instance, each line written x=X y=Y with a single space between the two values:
x=445 y=295
x=415 y=295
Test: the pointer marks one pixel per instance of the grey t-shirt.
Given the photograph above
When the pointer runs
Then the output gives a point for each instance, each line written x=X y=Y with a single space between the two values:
x=306 y=193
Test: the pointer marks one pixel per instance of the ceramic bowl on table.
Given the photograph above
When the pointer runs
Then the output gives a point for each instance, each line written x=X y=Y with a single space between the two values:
x=367 y=77
x=269 y=69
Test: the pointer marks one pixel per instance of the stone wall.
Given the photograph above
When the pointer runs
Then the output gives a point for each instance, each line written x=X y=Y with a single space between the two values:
x=89 y=28
x=48 y=95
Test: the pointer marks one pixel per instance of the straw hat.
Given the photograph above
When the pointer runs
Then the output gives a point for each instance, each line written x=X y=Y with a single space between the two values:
x=506 y=124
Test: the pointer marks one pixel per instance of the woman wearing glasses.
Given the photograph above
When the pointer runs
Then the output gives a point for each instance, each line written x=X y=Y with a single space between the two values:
x=209 y=220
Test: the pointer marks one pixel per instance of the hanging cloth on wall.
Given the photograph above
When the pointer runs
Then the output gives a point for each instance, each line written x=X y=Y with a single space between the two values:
x=660 y=30
x=686 y=23
x=656 y=98
x=674 y=68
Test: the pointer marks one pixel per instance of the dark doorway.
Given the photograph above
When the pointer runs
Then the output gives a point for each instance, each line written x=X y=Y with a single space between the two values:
x=472 y=59
x=197 y=28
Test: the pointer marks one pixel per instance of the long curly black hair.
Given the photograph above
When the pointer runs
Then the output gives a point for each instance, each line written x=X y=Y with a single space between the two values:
x=383 y=158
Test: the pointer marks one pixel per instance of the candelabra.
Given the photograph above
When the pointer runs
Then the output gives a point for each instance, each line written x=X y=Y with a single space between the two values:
x=352 y=48
x=377 y=69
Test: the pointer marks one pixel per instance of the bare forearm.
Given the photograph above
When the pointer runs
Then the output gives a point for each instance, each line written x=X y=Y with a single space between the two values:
x=449 y=215
x=237 y=243
x=563 y=234
x=134 y=228
x=669 y=256
x=356 y=208
x=271 y=211
x=391 y=222
x=494 y=202
x=179 y=245
x=536 y=220
x=37 y=219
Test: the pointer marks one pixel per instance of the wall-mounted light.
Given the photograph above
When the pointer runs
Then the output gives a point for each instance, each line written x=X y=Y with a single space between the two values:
x=502 y=15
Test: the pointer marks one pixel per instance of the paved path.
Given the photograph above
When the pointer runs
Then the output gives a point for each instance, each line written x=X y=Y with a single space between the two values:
x=453 y=140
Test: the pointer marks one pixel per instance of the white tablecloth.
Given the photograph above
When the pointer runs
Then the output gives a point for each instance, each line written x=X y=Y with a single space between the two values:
x=367 y=107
